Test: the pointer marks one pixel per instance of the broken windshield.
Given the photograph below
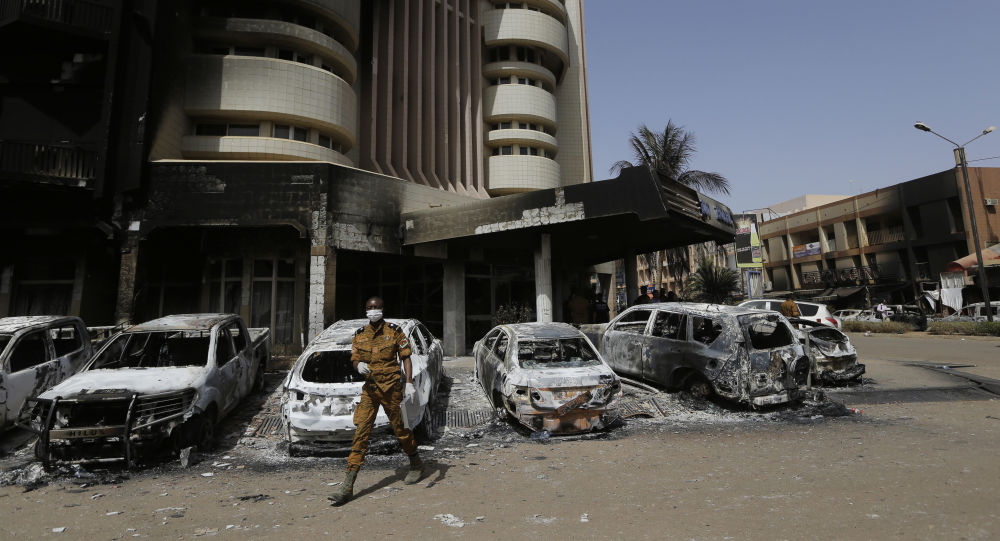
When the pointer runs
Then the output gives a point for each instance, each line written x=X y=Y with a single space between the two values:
x=154 y=349
x=330 y=367
x=4 y=340
x=766 y=331
x=556 y=353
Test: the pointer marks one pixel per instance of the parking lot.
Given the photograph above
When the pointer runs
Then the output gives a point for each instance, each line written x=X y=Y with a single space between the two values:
x=917 y=462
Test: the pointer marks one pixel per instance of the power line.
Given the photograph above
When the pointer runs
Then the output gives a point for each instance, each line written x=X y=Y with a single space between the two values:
x=981 y=159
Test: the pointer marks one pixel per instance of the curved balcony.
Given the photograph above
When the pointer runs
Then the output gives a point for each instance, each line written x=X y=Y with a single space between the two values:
x=525 y=27
x=346 y=13
x=267 y=88
x=282 y=34
x=554 y=8
x=496 y=138
x=519 y=102
x=513 y=68
x=515 y=174
x=204 y=147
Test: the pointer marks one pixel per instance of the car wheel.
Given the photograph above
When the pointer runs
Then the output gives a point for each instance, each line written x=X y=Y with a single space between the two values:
x=294 y=450
x=202 y=431
x=698 y=386
x=424 y=432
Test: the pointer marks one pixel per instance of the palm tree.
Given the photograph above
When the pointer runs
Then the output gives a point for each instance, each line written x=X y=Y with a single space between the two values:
x=669 y=153
x=710 y=283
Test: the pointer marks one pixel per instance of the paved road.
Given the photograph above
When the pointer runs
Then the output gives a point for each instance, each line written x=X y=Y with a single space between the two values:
x=919 y=463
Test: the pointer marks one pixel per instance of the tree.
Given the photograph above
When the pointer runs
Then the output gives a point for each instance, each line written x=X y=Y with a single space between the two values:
x=669 y=154
x=711 y=283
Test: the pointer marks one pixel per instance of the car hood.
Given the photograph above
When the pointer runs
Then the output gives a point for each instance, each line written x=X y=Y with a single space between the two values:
x=136 y=380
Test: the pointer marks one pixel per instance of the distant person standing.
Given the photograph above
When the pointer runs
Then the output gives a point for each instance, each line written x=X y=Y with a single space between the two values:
x=789 y=308
x=671 y=297
x=882 y=310
x=643 y=298
x=579 y=308
x=602 y=311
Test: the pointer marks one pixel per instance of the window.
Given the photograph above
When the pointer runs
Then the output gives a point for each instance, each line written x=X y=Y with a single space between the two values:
x=503 y=81
x=299 y=134
x=244 y=130
x=522 y=80
x=523 y=151
x=239 y=339
x=522 y=125
x=248 y=51
x=633 y=322
x=223 y=348
x=281 y=131
x=766 y=331
x=808 y=310
x=507 y=150
x=556 y=353
x=670 y=325
x=325 y=141
x=31 y=350
x=491 y=339
x=286 y=54
x=501 y=349
x=534 y=151
x=496 y=152
x=272 y=297
x=705 y=330
x=303 y=58
x=210 y=129
x=417 y=343
x=505 y=125
x=225 y=282
x=66 y=340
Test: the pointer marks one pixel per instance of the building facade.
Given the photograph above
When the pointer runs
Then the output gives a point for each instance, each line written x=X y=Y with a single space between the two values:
x=894 y=237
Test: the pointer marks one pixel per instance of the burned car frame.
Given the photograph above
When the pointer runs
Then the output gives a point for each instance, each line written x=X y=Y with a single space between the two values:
x=833 y=356
x=163 y=384
x=739 y=354
x=547 y=376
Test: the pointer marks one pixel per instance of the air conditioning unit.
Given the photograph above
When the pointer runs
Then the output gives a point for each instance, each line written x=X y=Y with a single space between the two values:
x=991 y=202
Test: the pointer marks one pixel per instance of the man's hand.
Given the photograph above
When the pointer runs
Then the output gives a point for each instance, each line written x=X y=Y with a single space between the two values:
x=409 y=392
x=363 y=369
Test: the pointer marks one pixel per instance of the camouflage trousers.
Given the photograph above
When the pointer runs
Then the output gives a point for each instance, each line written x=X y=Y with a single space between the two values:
x=373 y=396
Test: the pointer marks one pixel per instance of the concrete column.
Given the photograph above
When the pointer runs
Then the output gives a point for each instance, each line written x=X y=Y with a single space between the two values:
x=322 y=289
x=454 y=308
x=6 y=286
x=631 y=278
x=125 y=304
x=543 y=279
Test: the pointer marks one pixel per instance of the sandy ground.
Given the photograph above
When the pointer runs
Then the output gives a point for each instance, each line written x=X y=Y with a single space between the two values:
x=918 y=463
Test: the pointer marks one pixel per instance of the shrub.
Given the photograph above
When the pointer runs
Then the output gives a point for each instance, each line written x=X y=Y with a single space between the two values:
x=877 y=326
x=980 y=328
x=512 y=313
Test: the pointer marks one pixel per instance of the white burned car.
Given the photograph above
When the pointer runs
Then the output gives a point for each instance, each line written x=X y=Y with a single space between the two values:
x=322 y=389
x=834 y=358
x=547 y=376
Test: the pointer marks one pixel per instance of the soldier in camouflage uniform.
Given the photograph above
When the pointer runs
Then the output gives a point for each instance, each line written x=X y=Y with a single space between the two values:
x=374 y=351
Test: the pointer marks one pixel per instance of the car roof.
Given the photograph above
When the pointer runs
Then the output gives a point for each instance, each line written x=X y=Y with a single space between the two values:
x=543 y=330
x=9 y=325
x=182 y=322
x=702 y=309
x=341 y=333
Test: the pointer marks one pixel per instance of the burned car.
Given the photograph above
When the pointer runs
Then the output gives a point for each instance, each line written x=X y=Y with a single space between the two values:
x=164 y=383
x=547 y=376
x=833 y=356
x=322 y=389
x=740 y=354
x=37 y=352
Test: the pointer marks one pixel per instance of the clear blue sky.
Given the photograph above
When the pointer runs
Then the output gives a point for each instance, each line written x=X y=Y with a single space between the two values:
x=794 y=97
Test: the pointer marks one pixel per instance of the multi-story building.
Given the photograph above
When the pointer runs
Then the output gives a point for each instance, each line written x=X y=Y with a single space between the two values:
x=892 y=237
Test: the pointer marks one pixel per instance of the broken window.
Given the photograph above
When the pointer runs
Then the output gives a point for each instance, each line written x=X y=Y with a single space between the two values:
x=767 y=332
x=4 y=340
x=808 y=310
x=29 y=351
x=556 y=353
x=223 y=348
x=330 y=367
x=633 y=322
x=65 y=339
x=501 y=349
x=272 y=297
x=154 y=349
x=705 y=330
x=670 y=325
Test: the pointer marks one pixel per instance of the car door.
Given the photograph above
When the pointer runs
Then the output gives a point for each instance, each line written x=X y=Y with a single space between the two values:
x=29 y=370
x=703 y=332
x=496 y=374
x=70 y=349
x=667 y=338
x=243 y=355
x=421 y=377
x=622 y=345
x=435 y=354
x=229 y=368
x=482 y=354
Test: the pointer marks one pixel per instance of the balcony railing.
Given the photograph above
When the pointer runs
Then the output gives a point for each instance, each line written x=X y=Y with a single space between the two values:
x=60 y=164
x=89 y=15
x=849 y=276
x=885 y=236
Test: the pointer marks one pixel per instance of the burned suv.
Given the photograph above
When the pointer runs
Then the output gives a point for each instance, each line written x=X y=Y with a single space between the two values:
x=739 y=354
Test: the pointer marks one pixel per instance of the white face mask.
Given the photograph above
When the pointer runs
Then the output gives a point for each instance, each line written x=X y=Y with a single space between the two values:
x=374 y=315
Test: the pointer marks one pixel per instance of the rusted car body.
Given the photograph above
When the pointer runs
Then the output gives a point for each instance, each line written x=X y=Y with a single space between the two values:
x=547 y=376
x=164 y=382
x=322 y=389
x=740 y=354
x=834 y=357
x=37 y=352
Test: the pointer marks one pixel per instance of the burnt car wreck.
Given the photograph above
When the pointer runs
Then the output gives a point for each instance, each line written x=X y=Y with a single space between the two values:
x=834 y=359
x=547 y=376
x=158 y=386
x=742 y=355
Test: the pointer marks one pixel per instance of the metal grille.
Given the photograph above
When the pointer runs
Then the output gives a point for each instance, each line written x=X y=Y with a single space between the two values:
x=463 y=418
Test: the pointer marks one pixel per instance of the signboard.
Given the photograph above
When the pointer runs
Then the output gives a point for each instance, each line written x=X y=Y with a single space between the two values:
x=748 y=253
x=803 y=250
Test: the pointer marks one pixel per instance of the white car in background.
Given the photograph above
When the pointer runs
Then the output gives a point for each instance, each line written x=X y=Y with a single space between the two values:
x=812 y=311
x=847 y=315
x=322 y=389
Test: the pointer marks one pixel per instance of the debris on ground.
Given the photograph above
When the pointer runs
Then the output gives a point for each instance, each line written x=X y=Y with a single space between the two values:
x=450 y=520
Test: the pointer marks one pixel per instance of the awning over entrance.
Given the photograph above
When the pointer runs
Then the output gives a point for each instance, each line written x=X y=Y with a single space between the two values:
x=636 y=212
x=991 y=257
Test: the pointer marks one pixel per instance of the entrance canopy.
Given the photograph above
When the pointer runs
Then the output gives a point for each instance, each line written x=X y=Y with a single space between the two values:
x=991 y=257
x=637 y=212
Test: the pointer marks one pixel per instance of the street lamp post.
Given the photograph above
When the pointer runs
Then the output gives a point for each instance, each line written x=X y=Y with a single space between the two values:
x=960 y=160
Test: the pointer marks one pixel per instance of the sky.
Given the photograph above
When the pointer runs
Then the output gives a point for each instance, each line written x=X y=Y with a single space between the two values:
x=786 y=98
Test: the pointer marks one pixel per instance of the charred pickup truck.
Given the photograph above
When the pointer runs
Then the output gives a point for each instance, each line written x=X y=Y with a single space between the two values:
x=165 y=382
x=739 y=354
x=547 y=376
x=37 y=352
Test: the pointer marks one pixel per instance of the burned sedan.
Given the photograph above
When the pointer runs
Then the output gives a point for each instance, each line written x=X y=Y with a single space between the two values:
x=158 y=385
x=834 y=357
x=740 y=354
x=547 y=376
x=322 y=389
